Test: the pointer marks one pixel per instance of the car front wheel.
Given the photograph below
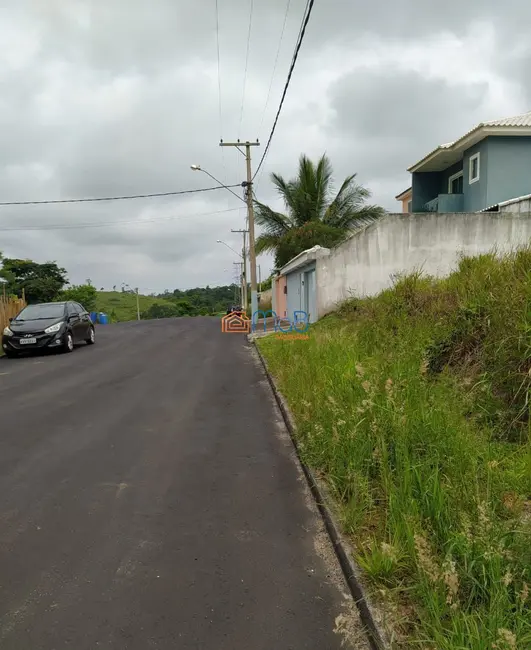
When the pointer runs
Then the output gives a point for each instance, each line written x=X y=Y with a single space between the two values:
x=68 y=343
x=92 y=338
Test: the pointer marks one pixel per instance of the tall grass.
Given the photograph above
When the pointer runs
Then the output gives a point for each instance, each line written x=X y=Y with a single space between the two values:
x=414 y=407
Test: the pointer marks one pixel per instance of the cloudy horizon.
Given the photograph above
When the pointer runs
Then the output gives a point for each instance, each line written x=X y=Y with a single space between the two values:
x=117 y=98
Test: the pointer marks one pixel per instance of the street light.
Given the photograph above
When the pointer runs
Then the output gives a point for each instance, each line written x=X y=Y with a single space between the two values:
x=219 y=241
x=137 y=299
x=198 y=168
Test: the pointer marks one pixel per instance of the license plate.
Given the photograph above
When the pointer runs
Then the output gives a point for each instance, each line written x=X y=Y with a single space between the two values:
x=27 y=341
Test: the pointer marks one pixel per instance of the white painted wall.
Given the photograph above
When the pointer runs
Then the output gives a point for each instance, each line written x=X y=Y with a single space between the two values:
x=365 y=264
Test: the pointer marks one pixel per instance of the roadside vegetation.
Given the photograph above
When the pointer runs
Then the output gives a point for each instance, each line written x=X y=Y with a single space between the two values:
x=202 y=301
x=413 y=407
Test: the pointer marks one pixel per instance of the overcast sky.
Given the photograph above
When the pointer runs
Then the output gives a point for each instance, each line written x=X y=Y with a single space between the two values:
x=118 y=97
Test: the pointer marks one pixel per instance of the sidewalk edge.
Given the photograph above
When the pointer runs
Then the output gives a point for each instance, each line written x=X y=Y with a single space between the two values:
x=341 y=547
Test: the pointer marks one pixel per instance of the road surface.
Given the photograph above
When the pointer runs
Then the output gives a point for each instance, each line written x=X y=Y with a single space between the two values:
x=149 y=499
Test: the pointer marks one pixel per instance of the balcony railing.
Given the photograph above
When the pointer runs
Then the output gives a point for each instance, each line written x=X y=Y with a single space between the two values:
x=445 y=203
x=433 y=205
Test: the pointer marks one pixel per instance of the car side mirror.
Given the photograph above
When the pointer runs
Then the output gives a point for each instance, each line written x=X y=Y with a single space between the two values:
x=11 y=320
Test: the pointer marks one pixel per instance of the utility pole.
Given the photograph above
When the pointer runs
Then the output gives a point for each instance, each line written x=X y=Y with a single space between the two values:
x=137 y=305
x=248 y=185
x=245 y=301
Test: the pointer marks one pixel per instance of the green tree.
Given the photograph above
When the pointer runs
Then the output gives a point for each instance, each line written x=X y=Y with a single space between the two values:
x=315 y=214
x=161 y=311
x=84 y=294
x=40 y=282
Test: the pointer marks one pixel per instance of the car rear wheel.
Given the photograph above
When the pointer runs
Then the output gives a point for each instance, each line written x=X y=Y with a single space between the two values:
x=68 y=345
x=92 y=338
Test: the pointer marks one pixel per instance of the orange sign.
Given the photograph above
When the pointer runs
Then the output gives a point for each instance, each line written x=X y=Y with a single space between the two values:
x=236 y=324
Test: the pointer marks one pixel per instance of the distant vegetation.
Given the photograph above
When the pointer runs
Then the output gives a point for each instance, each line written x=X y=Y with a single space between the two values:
x=46 y=282
x=121 y=306
x=84 y=294
x=414 y=406
x=36 y=282
x=207 y=301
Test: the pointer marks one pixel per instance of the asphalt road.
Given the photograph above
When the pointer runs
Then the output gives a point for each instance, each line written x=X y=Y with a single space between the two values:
x=149 y=499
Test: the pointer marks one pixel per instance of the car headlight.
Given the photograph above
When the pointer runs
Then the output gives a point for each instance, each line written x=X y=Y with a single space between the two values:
x=7 y=332
x=53 y=328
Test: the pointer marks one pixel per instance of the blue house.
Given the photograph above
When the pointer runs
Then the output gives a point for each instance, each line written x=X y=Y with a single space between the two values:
x=488 y=165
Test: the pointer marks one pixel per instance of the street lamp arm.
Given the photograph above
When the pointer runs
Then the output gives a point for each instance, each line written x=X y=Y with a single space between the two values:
x=219 y=241
x=198 y=168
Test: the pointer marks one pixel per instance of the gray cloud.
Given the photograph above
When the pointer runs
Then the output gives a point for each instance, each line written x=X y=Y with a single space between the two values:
x=121 y=97
x=410 y=19
x=385 y=121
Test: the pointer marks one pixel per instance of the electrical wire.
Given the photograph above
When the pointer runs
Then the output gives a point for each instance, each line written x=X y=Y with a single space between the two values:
x=306 y=19
x=117 y=198
x=275 y=65
x=100 y=224
x=246 y=64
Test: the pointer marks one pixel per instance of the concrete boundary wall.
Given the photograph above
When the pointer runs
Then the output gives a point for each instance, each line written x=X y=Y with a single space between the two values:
x=367 y=263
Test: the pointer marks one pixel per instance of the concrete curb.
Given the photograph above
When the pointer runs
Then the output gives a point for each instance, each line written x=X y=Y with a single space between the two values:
x=350 y=571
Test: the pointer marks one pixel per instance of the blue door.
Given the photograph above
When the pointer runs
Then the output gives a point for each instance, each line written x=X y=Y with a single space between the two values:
x=310 y=295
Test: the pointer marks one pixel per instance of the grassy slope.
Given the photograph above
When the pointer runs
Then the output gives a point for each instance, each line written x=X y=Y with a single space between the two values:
x=124 y=304
x=414 y=407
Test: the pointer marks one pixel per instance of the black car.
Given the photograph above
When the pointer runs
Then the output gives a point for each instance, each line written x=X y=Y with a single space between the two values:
x=50 y=325
x=234 y=309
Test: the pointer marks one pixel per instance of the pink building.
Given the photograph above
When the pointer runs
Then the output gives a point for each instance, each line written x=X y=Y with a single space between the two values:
x=279 y=305
x=405 y=199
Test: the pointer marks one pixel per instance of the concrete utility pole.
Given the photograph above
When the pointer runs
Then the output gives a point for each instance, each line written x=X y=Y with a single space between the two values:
x=245 y=302
x=137 y=305
x=248 y=185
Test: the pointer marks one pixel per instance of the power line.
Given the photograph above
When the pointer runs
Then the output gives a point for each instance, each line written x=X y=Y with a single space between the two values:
x=309 y=7
x=100 y=224
x=117 y=198
x=275 y=65
x=246 y=63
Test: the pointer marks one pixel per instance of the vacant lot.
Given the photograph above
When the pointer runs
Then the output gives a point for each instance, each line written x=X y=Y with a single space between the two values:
x=414 y=406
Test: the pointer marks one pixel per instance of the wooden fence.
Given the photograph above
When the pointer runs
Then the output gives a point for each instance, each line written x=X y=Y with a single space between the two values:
x=9 y=307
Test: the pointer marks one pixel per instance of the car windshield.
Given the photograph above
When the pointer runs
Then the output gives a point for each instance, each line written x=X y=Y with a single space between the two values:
x=41 y=312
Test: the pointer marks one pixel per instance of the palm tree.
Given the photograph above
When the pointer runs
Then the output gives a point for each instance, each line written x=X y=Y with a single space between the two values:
x=314 y=215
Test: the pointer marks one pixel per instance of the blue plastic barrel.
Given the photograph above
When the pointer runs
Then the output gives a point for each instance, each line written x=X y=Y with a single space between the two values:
x=94 y=316
x=103 y=319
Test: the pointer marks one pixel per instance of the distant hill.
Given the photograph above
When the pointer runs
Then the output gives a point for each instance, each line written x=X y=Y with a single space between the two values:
x=122 y=306
x=202 y=301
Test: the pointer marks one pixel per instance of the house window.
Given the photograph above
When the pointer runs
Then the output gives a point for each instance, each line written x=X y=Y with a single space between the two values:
x=473 y=168
x=455 y=183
